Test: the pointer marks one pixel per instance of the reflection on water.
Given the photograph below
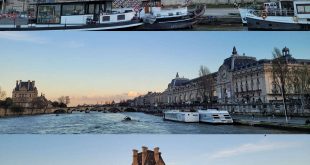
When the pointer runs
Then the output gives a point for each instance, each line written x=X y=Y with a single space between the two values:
x=113 y=123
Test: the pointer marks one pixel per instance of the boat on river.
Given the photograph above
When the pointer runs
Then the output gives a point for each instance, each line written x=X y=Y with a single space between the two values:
x=215 y=116
x=291 y=15
x=77 y=15
x=177 y=115
x=157 y=17
x=243 y=11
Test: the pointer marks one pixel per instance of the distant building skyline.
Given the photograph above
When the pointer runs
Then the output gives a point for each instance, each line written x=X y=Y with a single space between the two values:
x=93 y=68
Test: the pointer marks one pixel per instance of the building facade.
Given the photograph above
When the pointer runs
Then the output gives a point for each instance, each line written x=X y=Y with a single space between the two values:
x=241 y=79
x=147 y=157
x=24 y=93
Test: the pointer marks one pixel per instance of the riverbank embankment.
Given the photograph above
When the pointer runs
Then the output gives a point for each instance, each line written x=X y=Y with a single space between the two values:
x=24 y=112
x=298 y=124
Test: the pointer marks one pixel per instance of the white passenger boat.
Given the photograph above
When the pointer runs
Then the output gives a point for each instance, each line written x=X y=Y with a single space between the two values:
x=243 y=12
x=215 y=116
x=176 y=115
x=77 y=15
x=269 y=6
x=291 y=15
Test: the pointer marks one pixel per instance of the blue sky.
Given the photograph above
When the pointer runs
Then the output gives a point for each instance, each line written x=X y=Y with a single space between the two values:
x=176 y=149
x=92 y=67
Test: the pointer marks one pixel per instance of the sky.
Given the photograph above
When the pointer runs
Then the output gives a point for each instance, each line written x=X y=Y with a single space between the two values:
x=93 y=67
x=176 y=149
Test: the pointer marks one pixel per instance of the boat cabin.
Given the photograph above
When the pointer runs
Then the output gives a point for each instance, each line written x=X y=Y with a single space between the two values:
x=155 y=8
x=80 y=12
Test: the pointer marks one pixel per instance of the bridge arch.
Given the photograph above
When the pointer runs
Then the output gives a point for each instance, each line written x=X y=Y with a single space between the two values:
x=114 y=109
x=130 y=109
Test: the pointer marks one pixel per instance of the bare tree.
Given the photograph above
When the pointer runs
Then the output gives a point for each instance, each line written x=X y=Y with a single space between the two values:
x=62 y=99
x=300 y=80
x=280 y=73
x=2 y=94
x=205 y=84
x=39 y=103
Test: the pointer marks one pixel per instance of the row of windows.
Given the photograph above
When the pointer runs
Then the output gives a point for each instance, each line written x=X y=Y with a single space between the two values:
x=303 y=9
x=247 y=85
x=51 y=13
x=22 y=95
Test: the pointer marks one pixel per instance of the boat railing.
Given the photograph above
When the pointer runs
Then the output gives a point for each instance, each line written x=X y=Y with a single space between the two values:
x=274 y=12
x=169 y=14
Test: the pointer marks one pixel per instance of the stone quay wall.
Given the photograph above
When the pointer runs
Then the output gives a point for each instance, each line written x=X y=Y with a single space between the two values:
x=27 y=111
x=265 y=109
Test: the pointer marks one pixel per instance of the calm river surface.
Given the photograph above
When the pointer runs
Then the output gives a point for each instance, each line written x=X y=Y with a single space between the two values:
x=112 y=123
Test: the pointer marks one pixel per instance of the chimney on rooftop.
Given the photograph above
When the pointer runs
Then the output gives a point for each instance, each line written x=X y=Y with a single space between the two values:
x=135 y=157
x=20 y=83
x=156 y=154
x=144 y=154
x=33 y=84
x=28 y=85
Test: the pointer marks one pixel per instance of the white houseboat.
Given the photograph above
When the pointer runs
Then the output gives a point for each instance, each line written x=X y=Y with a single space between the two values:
x=215 y=116
x=77 y=15
x=268 y=6
x=157 y=17
x=176 y=115
x=291 y=15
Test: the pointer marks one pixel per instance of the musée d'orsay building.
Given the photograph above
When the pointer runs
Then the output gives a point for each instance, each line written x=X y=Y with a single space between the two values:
x=241 y=79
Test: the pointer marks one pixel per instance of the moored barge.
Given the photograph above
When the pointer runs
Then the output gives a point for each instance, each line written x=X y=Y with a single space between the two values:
x=79 y=15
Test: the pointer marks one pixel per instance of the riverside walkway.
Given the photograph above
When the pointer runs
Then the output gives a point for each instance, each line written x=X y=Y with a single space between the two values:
x=278 y=122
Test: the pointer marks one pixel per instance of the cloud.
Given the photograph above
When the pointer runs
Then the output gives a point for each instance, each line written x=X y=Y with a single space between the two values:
x=251 y=148
x=22 y=36
x=133 y=94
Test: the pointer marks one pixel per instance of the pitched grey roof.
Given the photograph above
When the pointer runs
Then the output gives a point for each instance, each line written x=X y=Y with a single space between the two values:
x=25 y=84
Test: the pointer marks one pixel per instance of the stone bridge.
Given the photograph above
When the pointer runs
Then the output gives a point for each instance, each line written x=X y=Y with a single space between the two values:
x=115 y=109
x=104 y=109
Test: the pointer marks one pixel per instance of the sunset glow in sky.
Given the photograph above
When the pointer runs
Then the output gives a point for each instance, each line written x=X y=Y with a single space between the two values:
x=96 y=67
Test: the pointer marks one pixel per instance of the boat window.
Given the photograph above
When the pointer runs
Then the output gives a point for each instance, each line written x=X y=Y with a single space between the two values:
x=128 y=11
x=303 y=8
x=105 y=18
x=48 y=14
x=73 y=9
x=121 y=17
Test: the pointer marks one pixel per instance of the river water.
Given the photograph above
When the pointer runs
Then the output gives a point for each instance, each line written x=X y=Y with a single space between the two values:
x=112 y=123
